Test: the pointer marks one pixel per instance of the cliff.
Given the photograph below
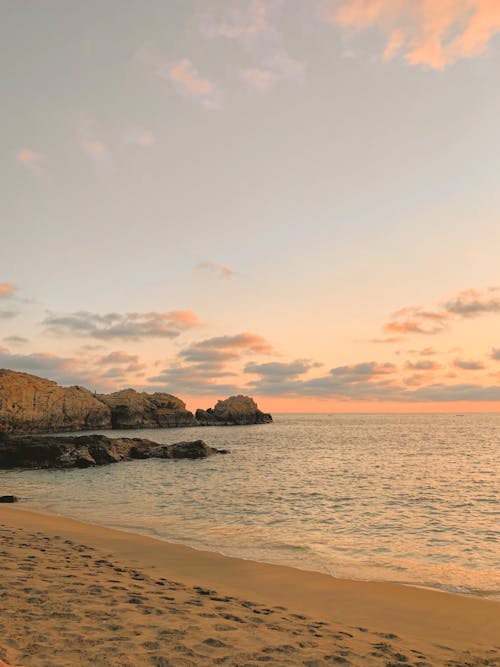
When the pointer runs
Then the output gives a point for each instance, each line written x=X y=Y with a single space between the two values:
x=30 y=404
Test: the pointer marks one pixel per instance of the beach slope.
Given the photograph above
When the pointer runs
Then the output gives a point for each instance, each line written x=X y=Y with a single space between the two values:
x=78 y=594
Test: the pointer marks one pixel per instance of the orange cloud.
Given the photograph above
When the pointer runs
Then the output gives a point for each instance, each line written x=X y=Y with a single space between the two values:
x=27 y=157
x=184 y=318
x=6 y=290
x=410 y=326
x=221 y=269
x=433 y=33
x=187 y=79
x=94 y=149
x=260 y=80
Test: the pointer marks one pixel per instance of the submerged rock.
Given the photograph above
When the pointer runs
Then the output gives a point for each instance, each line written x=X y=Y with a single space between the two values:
x=84 y=451
x=233 y=410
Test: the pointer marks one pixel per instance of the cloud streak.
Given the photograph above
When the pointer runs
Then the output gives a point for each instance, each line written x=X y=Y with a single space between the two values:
x=128 y=326
x=221 y=270
x=8 y=314
x=7 y=290
x=28 y=157
x=190 y=83
x=430 y=33
x=467 y=304
x=253 y=26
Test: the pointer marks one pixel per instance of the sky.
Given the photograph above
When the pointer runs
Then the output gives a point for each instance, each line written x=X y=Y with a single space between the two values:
x=294 y=200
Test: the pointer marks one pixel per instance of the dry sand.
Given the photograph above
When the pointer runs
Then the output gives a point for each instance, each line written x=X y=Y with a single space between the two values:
x=72 y=594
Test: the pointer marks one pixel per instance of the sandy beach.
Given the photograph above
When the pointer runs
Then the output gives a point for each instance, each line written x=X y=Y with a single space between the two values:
x=78 y=594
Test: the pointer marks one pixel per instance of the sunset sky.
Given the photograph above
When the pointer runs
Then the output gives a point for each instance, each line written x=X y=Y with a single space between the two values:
x=293 y=199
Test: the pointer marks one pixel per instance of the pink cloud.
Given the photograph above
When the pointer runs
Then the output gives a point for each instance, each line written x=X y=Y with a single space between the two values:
x=144 y=138
x=119 y=357
x=259 y=80
x=6 y=290
x=244 y=340
x=187 y=80
x=27 y=157
x=184 y=319
x=411 y=326
x=222 y=270
x=95 y=150
x=433 y=33
x=240 y=24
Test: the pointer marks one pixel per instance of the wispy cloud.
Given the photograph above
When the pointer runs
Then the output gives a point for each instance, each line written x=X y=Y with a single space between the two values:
x=16 y=340
x=140 y=137
x=468 y=364
x=221 y=270
x=471 y=303
x=432 y=33
x=69 y=370
x=119 y=357
x=253 y=25
x=495 y=354
x=8 y=314
x=242 y=341
x=189 y=82
x=96 y=151
x=423 y=365
x=28 y=157
x=244 y=22
x=127 y=326
x=7 y=290
x=467 y=304
x=204 y=367
x=275 y=66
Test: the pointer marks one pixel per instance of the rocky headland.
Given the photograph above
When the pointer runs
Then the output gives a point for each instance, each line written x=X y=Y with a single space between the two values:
x=31 y=404
x=85 y=451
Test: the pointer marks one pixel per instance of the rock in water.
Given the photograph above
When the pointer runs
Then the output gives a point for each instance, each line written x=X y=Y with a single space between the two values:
x=234 y=410
x=9 y=499
x=30 y=404
x=84 y=451
x=132 y=409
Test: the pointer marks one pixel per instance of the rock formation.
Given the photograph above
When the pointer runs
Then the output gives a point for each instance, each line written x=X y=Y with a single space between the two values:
x=9 y=499
x=131 y=409
x=84 y=451
x=234 y=410
x=30 y=404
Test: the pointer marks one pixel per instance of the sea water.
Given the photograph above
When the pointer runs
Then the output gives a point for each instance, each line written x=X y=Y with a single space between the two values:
x=413 y=499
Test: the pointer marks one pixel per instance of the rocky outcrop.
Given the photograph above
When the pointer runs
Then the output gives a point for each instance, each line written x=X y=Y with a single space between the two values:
x=234 y=410
x=131 y=409
x=84 y=451
x=30 y=404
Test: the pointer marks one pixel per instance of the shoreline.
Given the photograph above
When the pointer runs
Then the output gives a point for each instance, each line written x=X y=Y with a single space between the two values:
x=150 y=533
x=436 y=623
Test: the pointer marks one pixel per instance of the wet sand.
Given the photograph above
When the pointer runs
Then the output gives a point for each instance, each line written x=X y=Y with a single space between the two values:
x=75 y=594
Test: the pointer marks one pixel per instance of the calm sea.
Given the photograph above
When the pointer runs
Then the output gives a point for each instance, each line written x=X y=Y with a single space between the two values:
x=406 y=498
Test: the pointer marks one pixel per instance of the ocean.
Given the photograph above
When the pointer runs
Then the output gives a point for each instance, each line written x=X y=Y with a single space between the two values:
x=413 y=499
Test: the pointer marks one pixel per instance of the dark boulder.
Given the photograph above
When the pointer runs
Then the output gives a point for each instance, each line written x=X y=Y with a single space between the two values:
x=9 y=499
x=50 y=451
